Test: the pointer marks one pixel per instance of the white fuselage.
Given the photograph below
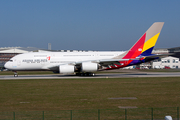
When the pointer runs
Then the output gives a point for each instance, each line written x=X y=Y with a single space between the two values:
x=46 y=60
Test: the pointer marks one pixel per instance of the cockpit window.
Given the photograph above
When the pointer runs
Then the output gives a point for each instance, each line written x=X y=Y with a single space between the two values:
x=10 y=60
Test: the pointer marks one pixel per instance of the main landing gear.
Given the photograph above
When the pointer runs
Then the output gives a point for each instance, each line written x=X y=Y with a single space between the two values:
x=85 y=74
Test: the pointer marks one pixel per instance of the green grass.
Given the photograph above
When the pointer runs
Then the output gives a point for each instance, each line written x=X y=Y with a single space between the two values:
x=77 y=94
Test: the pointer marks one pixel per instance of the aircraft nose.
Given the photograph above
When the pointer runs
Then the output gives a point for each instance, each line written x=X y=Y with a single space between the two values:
x=7 y=65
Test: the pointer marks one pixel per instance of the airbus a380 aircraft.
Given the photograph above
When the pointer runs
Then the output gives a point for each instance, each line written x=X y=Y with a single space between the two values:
x=85 y=63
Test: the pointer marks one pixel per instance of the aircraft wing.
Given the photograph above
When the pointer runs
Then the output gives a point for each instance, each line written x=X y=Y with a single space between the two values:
x=79 y=63
x=107 y=62
x=102 y=61
x=117 y=61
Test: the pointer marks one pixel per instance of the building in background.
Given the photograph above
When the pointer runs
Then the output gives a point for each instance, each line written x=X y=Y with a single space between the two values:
x=6 y=53
x=167 y=62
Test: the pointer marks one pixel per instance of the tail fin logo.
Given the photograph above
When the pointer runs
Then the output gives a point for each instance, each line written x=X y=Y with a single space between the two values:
x=49 y=57
x=139 y=49
x=146 y=43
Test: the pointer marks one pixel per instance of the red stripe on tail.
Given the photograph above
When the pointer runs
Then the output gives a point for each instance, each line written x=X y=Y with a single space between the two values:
x=136 y=49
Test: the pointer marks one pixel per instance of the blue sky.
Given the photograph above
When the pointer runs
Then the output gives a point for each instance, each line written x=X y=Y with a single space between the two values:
x=87 y=24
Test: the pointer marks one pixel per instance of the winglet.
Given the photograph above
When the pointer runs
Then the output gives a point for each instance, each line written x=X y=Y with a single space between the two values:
x=146 y=43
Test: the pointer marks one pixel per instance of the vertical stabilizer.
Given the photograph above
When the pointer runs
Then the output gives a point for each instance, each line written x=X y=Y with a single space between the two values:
x=146 y=43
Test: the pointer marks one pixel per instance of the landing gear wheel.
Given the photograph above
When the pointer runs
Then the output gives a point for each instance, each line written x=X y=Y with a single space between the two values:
x=15 y=74
x=78 y=74
x=85 y=74
x=93 y=74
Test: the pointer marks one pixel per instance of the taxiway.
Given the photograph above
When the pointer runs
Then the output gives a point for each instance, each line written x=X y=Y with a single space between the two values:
x=107 y=75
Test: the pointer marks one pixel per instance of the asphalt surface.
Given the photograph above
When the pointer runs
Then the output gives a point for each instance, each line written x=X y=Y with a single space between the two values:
x=107 y=75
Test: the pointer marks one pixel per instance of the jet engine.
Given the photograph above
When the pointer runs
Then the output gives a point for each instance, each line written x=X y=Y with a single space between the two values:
x=89 y=67
x=65 y=69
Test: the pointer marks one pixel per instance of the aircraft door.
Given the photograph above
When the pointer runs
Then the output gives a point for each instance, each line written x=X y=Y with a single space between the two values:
x=18 y=62
x=14 y=64
x=97 y=55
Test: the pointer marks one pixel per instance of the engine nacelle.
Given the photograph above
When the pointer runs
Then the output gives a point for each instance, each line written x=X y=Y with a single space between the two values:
x=89 y=67
x=66 y=69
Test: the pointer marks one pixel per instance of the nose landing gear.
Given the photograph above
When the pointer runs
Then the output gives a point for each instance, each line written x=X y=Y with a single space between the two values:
x=15 y=74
